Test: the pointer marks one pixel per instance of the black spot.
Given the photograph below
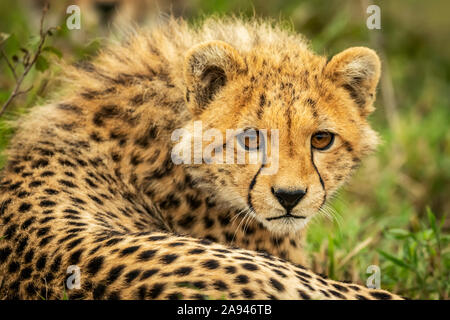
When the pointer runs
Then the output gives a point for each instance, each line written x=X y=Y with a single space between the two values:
x=25 y=273
x=24 y=207
x=45 y=241
x=156 y=290
x=129 y=250
x=186 y=221
x=67 y=183
x=77 y=200
x=176 y=244
x=211 y=238
x=95 y=264
x=36 y=183
x=29 y=256
x=148 y=273
x=224 y=220
x=141 y=292
x=303 y=274
x=47 y=203
x=241 y=279
x=354 y=287
x=40 y=163
x=40 y=263
x=381 y=295
x=281 y=273
x=210 y=264
x=276 y=284
x=130 y=276
x=196 y=251
x=21 y=245
x=99 y=291
x=97 y=200
x=114 y=296
x=69 y=107
x=51 y=191
x=340 y=288
x=325 y=293
x=15 y=186
x=348 y=146
x=67 y=163
x=150 y=134
x=175 y=296
x=230 y=269
x=304 y=295
x=183 y=271
x=169 y=258
x=13 y=267
x=4 y=205
x=137 y=100
x=208 y=222
x=112 y=241
x=199 y=284
x=10 y=232
x=105 y=112
x=47 y=174
x=54 y=267
x=247 y=293
x=115 y=157
x=115 y=273
x=74 y=243
x=193 y=202
x=336 y=294
x=4 y=254
x=43 y=231
x=146 y=255
x=75 y=257
x=249 y=266
x=30 y=289
x=220 y=285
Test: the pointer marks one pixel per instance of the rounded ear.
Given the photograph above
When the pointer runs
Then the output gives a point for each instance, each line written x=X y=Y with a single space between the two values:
x=208 y=67
x=357 y=70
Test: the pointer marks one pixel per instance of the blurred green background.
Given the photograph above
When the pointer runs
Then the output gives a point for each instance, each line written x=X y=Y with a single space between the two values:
x=395 y=212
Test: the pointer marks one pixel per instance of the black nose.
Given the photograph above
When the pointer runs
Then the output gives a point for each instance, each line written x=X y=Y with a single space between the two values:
x=288 y=198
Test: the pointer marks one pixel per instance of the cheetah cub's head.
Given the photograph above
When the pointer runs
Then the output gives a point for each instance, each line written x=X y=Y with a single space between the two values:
x=277 y=130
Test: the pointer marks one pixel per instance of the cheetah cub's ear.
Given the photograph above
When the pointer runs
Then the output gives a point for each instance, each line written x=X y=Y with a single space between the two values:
x=208 y=67
x=357 y=70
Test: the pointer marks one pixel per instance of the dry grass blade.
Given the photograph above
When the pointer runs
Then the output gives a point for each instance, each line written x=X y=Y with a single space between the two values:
x=355 y=251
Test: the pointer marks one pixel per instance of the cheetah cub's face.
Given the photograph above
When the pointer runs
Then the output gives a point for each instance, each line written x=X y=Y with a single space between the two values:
x=303 y=118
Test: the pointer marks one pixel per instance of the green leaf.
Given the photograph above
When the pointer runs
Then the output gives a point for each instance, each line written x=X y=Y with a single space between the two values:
x=53 y=50
x=434 y=226
x=41 y=64
x=427 y=234
x=396 y=260
x=33 y=41
x=399 y=233
x=65 y=296
x=331 y=257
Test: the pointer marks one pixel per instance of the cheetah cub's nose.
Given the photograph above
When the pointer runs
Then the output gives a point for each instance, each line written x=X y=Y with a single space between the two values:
x=288 y=198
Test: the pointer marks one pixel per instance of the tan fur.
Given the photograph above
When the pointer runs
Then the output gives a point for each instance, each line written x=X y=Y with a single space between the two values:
x=90 y=180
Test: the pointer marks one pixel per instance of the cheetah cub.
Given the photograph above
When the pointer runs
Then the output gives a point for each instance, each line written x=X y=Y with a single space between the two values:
x=186 y=163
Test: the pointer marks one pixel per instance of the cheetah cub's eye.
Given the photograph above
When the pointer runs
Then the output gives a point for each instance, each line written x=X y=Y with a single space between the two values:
x=251 y=139
x=322 y=140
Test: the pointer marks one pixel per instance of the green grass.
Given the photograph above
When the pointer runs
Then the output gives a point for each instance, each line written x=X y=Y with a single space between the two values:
x=395 y=211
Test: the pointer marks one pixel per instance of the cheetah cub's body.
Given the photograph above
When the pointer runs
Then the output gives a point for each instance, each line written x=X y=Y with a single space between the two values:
x=91 y=180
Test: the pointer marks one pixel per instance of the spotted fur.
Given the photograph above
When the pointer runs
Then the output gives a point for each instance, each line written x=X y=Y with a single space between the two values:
x=90 y=180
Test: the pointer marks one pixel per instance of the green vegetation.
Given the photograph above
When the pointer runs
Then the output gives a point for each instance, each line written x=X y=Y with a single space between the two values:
x=395 y=211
